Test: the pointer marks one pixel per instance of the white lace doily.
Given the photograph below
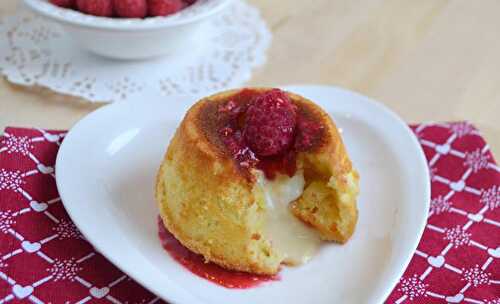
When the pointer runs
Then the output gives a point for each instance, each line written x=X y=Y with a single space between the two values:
x=36 y=52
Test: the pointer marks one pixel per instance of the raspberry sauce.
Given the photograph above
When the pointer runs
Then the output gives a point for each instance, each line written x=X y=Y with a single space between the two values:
x=209 y=271
x=232 y=115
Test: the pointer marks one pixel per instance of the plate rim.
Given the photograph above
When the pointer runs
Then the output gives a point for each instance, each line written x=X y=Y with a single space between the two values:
x=176 y=294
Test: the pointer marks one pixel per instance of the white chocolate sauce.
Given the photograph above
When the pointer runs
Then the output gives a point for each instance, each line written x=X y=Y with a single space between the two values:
x=288 y=234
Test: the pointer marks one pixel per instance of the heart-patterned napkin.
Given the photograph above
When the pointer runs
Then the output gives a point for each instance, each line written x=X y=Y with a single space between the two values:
x=45 y=259
x=43 y=256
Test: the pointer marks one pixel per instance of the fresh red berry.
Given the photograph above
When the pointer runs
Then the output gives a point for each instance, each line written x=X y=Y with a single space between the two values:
x=164 y=7
x=270 y=123
x=103 y=8
x=189 y=2
x=64 y=3
x=130 y=8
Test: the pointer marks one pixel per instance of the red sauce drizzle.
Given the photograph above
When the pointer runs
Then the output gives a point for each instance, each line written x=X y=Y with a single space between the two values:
x=284 y=164
x=308 y=134
x=209 y=271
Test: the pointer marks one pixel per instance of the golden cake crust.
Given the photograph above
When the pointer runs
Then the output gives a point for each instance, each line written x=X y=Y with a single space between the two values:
x=211 y=206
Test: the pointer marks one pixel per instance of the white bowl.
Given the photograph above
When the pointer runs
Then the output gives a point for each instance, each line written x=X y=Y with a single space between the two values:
x=131 y=38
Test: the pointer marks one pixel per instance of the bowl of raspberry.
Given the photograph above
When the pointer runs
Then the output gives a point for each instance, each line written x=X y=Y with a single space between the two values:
x=130 y=29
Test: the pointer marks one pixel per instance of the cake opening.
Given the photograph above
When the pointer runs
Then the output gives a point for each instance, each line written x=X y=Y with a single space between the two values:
x=290 y=236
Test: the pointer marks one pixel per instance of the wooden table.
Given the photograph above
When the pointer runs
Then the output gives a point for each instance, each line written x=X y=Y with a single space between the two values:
x=427 y=60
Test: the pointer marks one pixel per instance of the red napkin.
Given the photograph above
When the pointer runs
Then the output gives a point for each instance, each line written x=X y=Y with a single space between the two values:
x=458 y=258
x=45 y=259
x=43 y=256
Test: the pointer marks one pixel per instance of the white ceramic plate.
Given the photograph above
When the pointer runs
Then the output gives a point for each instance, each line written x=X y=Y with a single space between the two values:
x=108 y=161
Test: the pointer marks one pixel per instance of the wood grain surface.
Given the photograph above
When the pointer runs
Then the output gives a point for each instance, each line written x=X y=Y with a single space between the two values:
x=428 y=60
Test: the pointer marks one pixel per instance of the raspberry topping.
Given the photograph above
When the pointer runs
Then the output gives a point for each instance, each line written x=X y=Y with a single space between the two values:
x=269 y=125
x=308 y=133
x=103 y=8
x=265 y=131
x=131 y=8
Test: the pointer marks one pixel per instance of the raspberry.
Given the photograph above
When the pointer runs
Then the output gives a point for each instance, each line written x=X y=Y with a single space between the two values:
x=64 y=3
x=164 y=7
x=131 y=8
x=103 y=8
x=270 y=123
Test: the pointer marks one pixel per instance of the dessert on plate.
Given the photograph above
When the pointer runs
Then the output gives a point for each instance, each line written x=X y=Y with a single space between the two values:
x=256 y=178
